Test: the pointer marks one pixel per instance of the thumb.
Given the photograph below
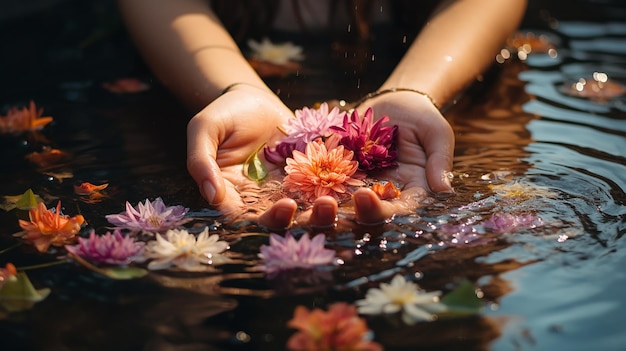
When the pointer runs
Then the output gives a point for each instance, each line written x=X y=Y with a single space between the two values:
x=202 y=164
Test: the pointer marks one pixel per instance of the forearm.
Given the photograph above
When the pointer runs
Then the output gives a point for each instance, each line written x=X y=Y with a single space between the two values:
x=187 y=48
x=456 y=45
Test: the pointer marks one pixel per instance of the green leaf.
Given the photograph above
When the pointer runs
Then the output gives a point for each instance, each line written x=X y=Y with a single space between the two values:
x=19 y=294
x=462 y=301
x=25 y=201
x=122 y=273
x=119 y=272
x=253 y=168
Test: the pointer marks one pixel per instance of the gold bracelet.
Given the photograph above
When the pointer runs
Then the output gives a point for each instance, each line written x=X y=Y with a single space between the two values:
x=393 y=90
x=231 y=86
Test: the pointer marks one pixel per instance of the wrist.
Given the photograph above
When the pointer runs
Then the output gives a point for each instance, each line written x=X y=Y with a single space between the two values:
x=380 y=92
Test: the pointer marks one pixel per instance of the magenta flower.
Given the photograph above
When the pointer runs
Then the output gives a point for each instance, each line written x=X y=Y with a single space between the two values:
x=284 y=253
x=374 y=145
x=501 y=222
x=110 y=248
x=149 y=217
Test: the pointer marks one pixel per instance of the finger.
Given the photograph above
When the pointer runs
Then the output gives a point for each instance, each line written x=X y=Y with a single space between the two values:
x=201 y=161
x=324 y=213
x=280 y=215
x=439 y=148
x=369 y=208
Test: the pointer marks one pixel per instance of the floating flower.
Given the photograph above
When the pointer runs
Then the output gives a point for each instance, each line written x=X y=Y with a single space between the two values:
x=48 y=157
x=25 y=119
x=87 y=188
x=339 y=328
x=125 y=86
x=50 y=227
x=402 y=295
x=284 y=253
x=182 y=249
x=278 y=54
x=386 y=191
x=373 y=144
x=500 y=222
x=6 y=273
x=149 y=217
x=522 y=191
x=320 y=172
x=109 y=248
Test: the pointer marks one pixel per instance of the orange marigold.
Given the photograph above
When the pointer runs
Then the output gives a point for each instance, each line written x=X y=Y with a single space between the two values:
x=386 y=191
x=50 y=227
x=20 y=120
x=320 y=171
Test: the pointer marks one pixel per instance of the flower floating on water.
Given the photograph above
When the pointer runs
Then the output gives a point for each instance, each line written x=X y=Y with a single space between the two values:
x=6 y=273
x=285 y=253
x=373 y=144
x=320 y=172
x=339 y=328
x=278 y=54
x=500 y=222
x=149 y=217
x=48 y=157
x=87 y=188
x=50 y=227
x=18 y=293
x=522 y=191
x=125 y=86
x=181 y=249
x=109 y=248
x=402 y=295
x=23 y=119
x=386 y=191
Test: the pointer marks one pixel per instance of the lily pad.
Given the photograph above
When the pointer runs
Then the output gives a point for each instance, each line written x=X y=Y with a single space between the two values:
x=117 y=272
x=19 y=294
x=462 y=301
x=25 y=201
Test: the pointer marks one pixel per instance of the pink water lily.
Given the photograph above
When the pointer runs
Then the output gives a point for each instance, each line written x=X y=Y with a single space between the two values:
x=373 y=144
x=109 y=248
x=284 y=253
x=152 y=217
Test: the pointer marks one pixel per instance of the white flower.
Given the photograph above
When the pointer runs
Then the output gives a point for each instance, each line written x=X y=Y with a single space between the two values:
x=182 y=249
x=278 y=54
x=402 y=295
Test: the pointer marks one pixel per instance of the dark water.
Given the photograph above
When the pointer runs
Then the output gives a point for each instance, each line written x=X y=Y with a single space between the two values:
x=524 y=147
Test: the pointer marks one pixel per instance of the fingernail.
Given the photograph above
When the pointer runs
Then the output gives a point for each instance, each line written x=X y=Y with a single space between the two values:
x=324 y=211
x=364 y=201
x=209 y=191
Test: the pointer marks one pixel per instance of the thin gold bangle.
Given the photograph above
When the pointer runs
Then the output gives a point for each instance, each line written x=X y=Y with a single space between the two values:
x=393 y=90
x=231 y=86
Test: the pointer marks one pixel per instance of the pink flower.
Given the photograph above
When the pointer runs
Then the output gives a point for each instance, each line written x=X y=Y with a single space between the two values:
x=374 y=146
x=284 y=253
x=308 y=125
x=320 y=171
x=501 y=222
x=149 y=217
x=110 y=248
x=339 y=328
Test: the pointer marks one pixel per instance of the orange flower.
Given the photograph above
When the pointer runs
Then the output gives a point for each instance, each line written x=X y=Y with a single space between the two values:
x=386 y=191
x=87 y=188
x=339 y=328
x=50 y=227
x=24 y=119
x=320 y=171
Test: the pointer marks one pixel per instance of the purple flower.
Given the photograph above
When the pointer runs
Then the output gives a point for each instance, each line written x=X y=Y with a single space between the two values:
x=113 y=249
x=311 y=124
x=284 y=253
x=149 y=217
x=504 y=222
x=374 y=146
